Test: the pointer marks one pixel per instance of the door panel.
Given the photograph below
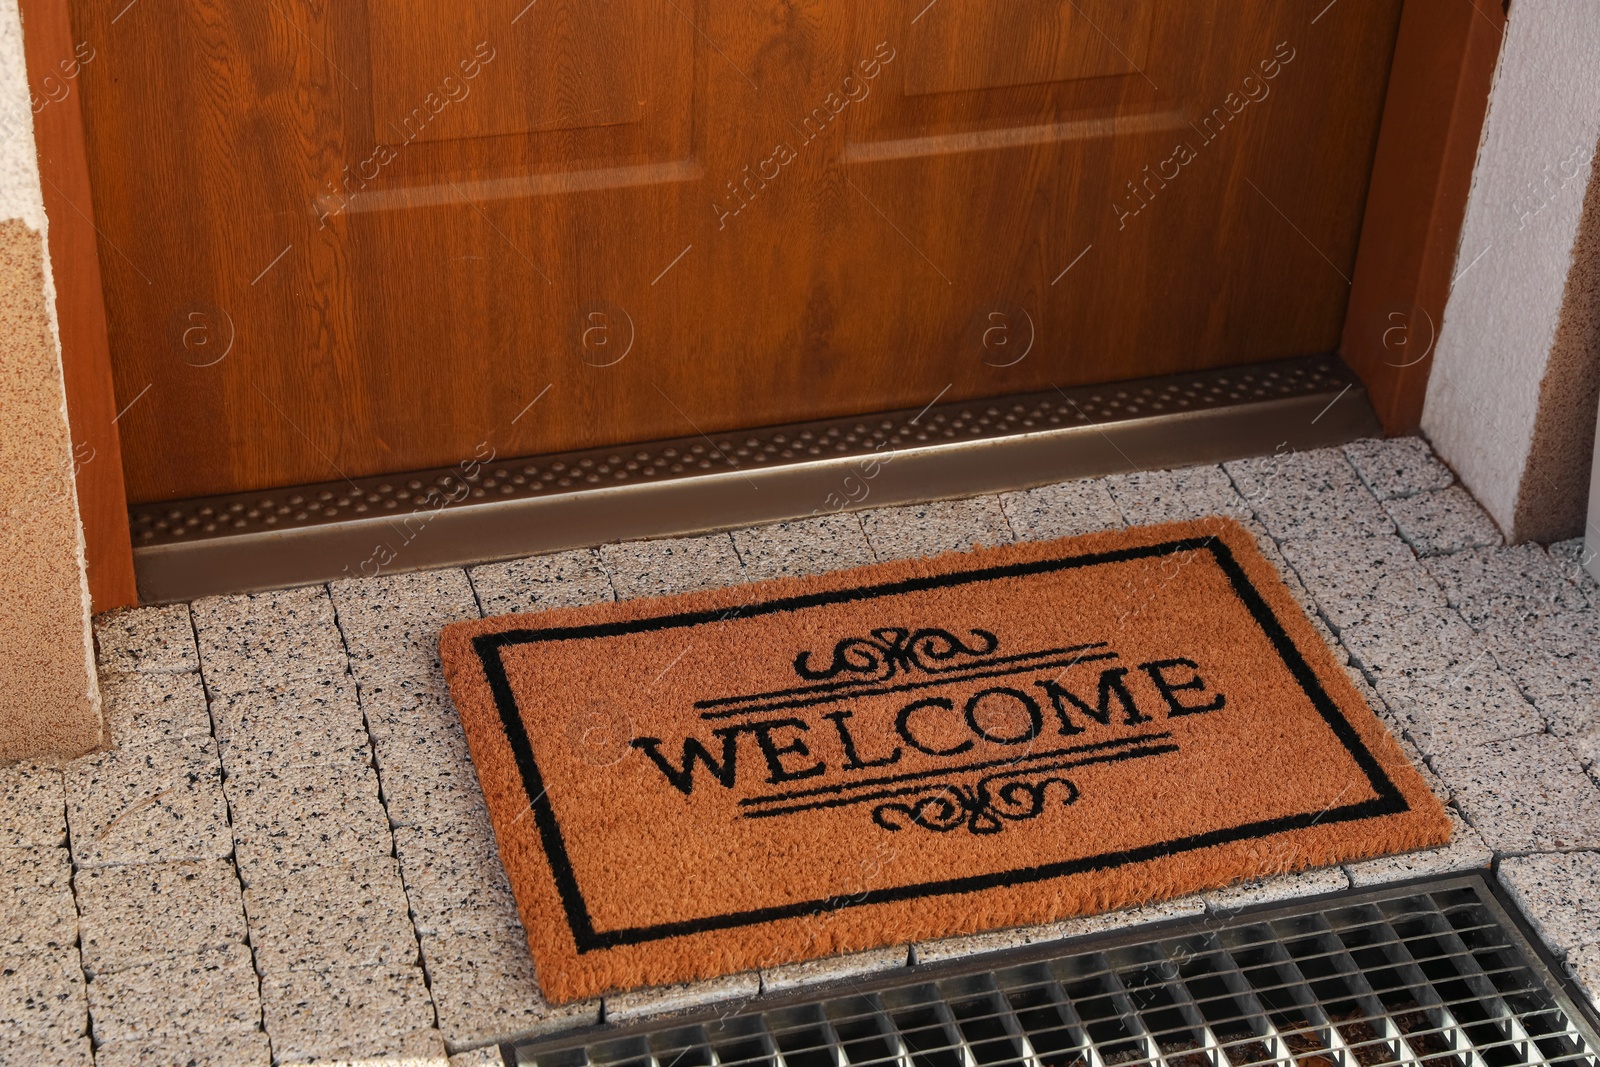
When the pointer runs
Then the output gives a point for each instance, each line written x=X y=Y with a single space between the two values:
x=348 y=239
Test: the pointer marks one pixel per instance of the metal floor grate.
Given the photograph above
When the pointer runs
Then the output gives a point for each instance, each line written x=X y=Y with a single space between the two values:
x=1430 y=975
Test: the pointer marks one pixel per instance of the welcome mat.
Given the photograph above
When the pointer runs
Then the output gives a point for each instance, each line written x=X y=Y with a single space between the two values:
x=703 y=784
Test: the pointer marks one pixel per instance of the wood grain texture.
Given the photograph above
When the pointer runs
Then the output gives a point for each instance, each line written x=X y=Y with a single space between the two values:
x=56 y=62
x=1444 y=67
x=774 y=218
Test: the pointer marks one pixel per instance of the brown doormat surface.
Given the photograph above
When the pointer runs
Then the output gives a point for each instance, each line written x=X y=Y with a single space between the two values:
x=709 y=783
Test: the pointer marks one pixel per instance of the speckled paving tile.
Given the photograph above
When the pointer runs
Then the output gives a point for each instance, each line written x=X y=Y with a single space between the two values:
x=206 y=992
x=1471 y=707
x=671 y=565
x=304 y=720
x=1524 y=795
x=148 y=804
x=558 y=580
x=37 y=911
x=1353 y=579
x=1576 y=560
x=1300 y=495
x=929 y=529
x=1149 y=497
x=1557 y=893
x=1062 y=510
x=223 y=1049
x=138 y=914
x=391 y=624
x=42 y=993
x=259 y=639
x=1505 y=587
x=143 y=709
x=802 y=547
x=157 y=639
x=56 y=1051
x=833 y=968
x=33 y=806
x=659 y=1000
x=1277 y=889
x=1080 y=926
x=349 y=913
x=1446 y=521
x=1397 y=466
x=454 y=879
x=291 y=818
x=350 y=1012
x=483 y=986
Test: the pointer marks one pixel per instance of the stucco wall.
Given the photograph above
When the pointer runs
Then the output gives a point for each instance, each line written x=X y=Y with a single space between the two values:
x=49 y=702
x=1500 y=405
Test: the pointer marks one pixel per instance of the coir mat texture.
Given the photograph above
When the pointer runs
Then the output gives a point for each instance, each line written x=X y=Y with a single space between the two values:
x=704 y=784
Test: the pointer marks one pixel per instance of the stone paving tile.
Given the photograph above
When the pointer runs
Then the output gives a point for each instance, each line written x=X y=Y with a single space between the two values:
x=1583 y=967
x=1575 y=558
x=33 y=807
x=144 y=805
x=802 y=547
x=391 y=624
x=138 y=914
x=480 y=1057
x=1557 y=893
x=1556 y=663
x=454 y=880
x=790 y=976
x=350 y=1012
x=1477 y=705
x=221 y=1049
x=1149 y=497
x=1505 y=587
x=209 y=992
x=287 y=819
x=144 y=709
x=1062 y=510
x=1466 y=851
x=159 y=640
x=1078 y=926
x=1278 y=888
x=930 y=529
x=484 y=988
x=37 y=911
x=305 y=720
x=1303 y=495
x=1397 y=466
x=262 y=639
x=429 y=783
x=672 y=565
x=1397 y=645
x=1523 y=795
x=1446 y=521
x=76 y=1051
x=350 y=914
x=539 y=583
x=42 y=994
x=1353 y=579
x=660 y=1000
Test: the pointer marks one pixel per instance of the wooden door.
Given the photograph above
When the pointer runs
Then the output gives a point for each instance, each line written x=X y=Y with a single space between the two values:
x=348 y=239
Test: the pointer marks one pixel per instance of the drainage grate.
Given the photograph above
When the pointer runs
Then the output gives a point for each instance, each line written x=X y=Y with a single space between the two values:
x=1432 y=975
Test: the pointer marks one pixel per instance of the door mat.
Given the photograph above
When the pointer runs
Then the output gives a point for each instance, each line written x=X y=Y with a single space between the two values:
x=704 y=784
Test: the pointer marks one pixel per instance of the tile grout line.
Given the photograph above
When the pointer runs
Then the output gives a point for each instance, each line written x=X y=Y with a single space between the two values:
x=227 y=807
x=420 y=961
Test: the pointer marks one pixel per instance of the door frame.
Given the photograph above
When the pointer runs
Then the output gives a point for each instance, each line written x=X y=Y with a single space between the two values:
x=1444 y=63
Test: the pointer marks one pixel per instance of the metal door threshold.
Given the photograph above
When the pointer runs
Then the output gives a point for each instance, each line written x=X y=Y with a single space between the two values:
x=1434 y=973
x=508 y=508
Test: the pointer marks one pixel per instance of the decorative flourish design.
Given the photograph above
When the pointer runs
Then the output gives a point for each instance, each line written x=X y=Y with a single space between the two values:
x=983 y=808
x=890 y=651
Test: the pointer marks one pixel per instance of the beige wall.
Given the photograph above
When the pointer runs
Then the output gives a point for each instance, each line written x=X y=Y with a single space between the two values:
x=1511 y=402
x=49 y=702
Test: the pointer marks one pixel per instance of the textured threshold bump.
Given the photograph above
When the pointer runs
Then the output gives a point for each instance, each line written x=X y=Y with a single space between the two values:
x=1438 y=973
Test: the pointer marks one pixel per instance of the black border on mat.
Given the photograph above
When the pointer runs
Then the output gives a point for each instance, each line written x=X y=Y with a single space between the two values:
x=1388 y=800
